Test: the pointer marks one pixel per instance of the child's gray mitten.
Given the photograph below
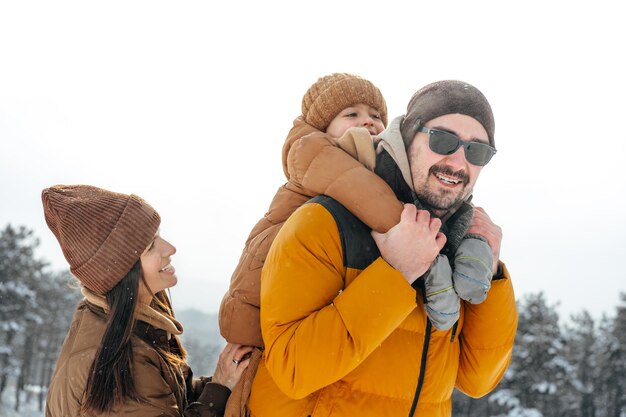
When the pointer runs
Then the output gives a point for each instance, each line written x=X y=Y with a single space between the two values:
x=442 y=302
x=472 y=269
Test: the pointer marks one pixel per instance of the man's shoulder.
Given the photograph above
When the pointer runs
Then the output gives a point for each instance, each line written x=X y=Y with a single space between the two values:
x=358 y=247
x=335 y=208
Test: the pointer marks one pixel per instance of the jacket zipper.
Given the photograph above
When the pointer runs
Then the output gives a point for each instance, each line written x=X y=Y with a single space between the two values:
x=454 y=329
x=420 y=380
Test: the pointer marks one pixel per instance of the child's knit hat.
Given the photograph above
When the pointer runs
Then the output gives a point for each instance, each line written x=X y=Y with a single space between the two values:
x=102 y=233
x=333 y=93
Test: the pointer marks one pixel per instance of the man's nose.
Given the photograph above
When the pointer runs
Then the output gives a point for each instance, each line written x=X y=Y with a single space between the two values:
x=457 y=159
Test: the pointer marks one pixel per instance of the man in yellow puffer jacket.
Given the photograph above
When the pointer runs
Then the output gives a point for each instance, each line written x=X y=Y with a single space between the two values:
x=343 y=310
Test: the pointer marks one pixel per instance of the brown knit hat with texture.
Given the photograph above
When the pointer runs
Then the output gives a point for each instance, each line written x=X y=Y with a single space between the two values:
x=333 y=93
x=446 y=97
x=102 y=233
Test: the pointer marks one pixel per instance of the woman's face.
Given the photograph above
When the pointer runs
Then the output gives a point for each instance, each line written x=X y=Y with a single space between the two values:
x=158 y=272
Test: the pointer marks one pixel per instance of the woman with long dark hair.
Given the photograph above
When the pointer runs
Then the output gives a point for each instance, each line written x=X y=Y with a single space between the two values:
x=122 y=355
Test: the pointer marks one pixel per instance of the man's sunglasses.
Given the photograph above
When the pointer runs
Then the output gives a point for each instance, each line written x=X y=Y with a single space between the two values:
x=446 y=143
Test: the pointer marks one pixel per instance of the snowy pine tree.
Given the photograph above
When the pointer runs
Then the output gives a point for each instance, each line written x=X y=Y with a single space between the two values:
x=581 y=350
x=35 y=313
x=612 y=364
x=538 y=370
x=19 y=272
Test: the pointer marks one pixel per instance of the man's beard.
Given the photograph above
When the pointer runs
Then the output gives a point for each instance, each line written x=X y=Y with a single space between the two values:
x=443 y=199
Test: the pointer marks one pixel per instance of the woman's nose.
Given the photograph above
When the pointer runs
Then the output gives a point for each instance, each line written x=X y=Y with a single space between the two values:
x=169 y=248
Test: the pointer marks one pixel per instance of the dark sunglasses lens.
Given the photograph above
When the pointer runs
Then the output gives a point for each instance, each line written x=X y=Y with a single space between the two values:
x=478 y=153
x=443 y=143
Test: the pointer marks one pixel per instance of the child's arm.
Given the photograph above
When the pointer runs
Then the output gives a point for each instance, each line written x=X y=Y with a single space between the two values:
x=317 y=165
x=298 y=131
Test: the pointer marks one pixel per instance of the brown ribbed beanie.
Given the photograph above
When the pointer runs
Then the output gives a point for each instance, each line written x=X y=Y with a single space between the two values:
x=333 y=93
x=446 y=97
x=102 y=233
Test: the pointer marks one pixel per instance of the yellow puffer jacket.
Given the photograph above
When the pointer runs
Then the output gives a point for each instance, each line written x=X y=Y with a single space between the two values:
x=341 y=341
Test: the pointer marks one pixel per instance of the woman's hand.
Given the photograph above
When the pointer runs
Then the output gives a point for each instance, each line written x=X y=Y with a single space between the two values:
x=232 y=362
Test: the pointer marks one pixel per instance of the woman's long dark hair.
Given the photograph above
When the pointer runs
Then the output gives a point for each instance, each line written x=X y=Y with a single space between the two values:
x=110 y=380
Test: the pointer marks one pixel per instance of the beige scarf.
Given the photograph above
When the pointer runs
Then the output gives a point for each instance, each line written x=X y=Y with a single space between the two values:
x=145 y=313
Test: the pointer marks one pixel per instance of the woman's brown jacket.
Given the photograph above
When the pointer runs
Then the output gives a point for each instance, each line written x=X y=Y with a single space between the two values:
x=165 y=390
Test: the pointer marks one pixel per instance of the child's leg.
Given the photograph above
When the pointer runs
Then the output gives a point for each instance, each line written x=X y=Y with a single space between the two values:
x=472 y=269
x=442 y=302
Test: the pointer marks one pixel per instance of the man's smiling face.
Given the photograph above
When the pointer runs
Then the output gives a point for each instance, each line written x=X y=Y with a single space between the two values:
x=442 y=181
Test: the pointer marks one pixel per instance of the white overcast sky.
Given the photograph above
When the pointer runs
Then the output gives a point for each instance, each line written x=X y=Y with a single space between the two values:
x=187 y=104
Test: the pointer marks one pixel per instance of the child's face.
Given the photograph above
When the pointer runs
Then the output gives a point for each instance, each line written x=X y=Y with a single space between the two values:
x=359 y=115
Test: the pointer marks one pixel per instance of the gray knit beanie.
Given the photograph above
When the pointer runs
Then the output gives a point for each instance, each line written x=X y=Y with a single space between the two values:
x=446 y=97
